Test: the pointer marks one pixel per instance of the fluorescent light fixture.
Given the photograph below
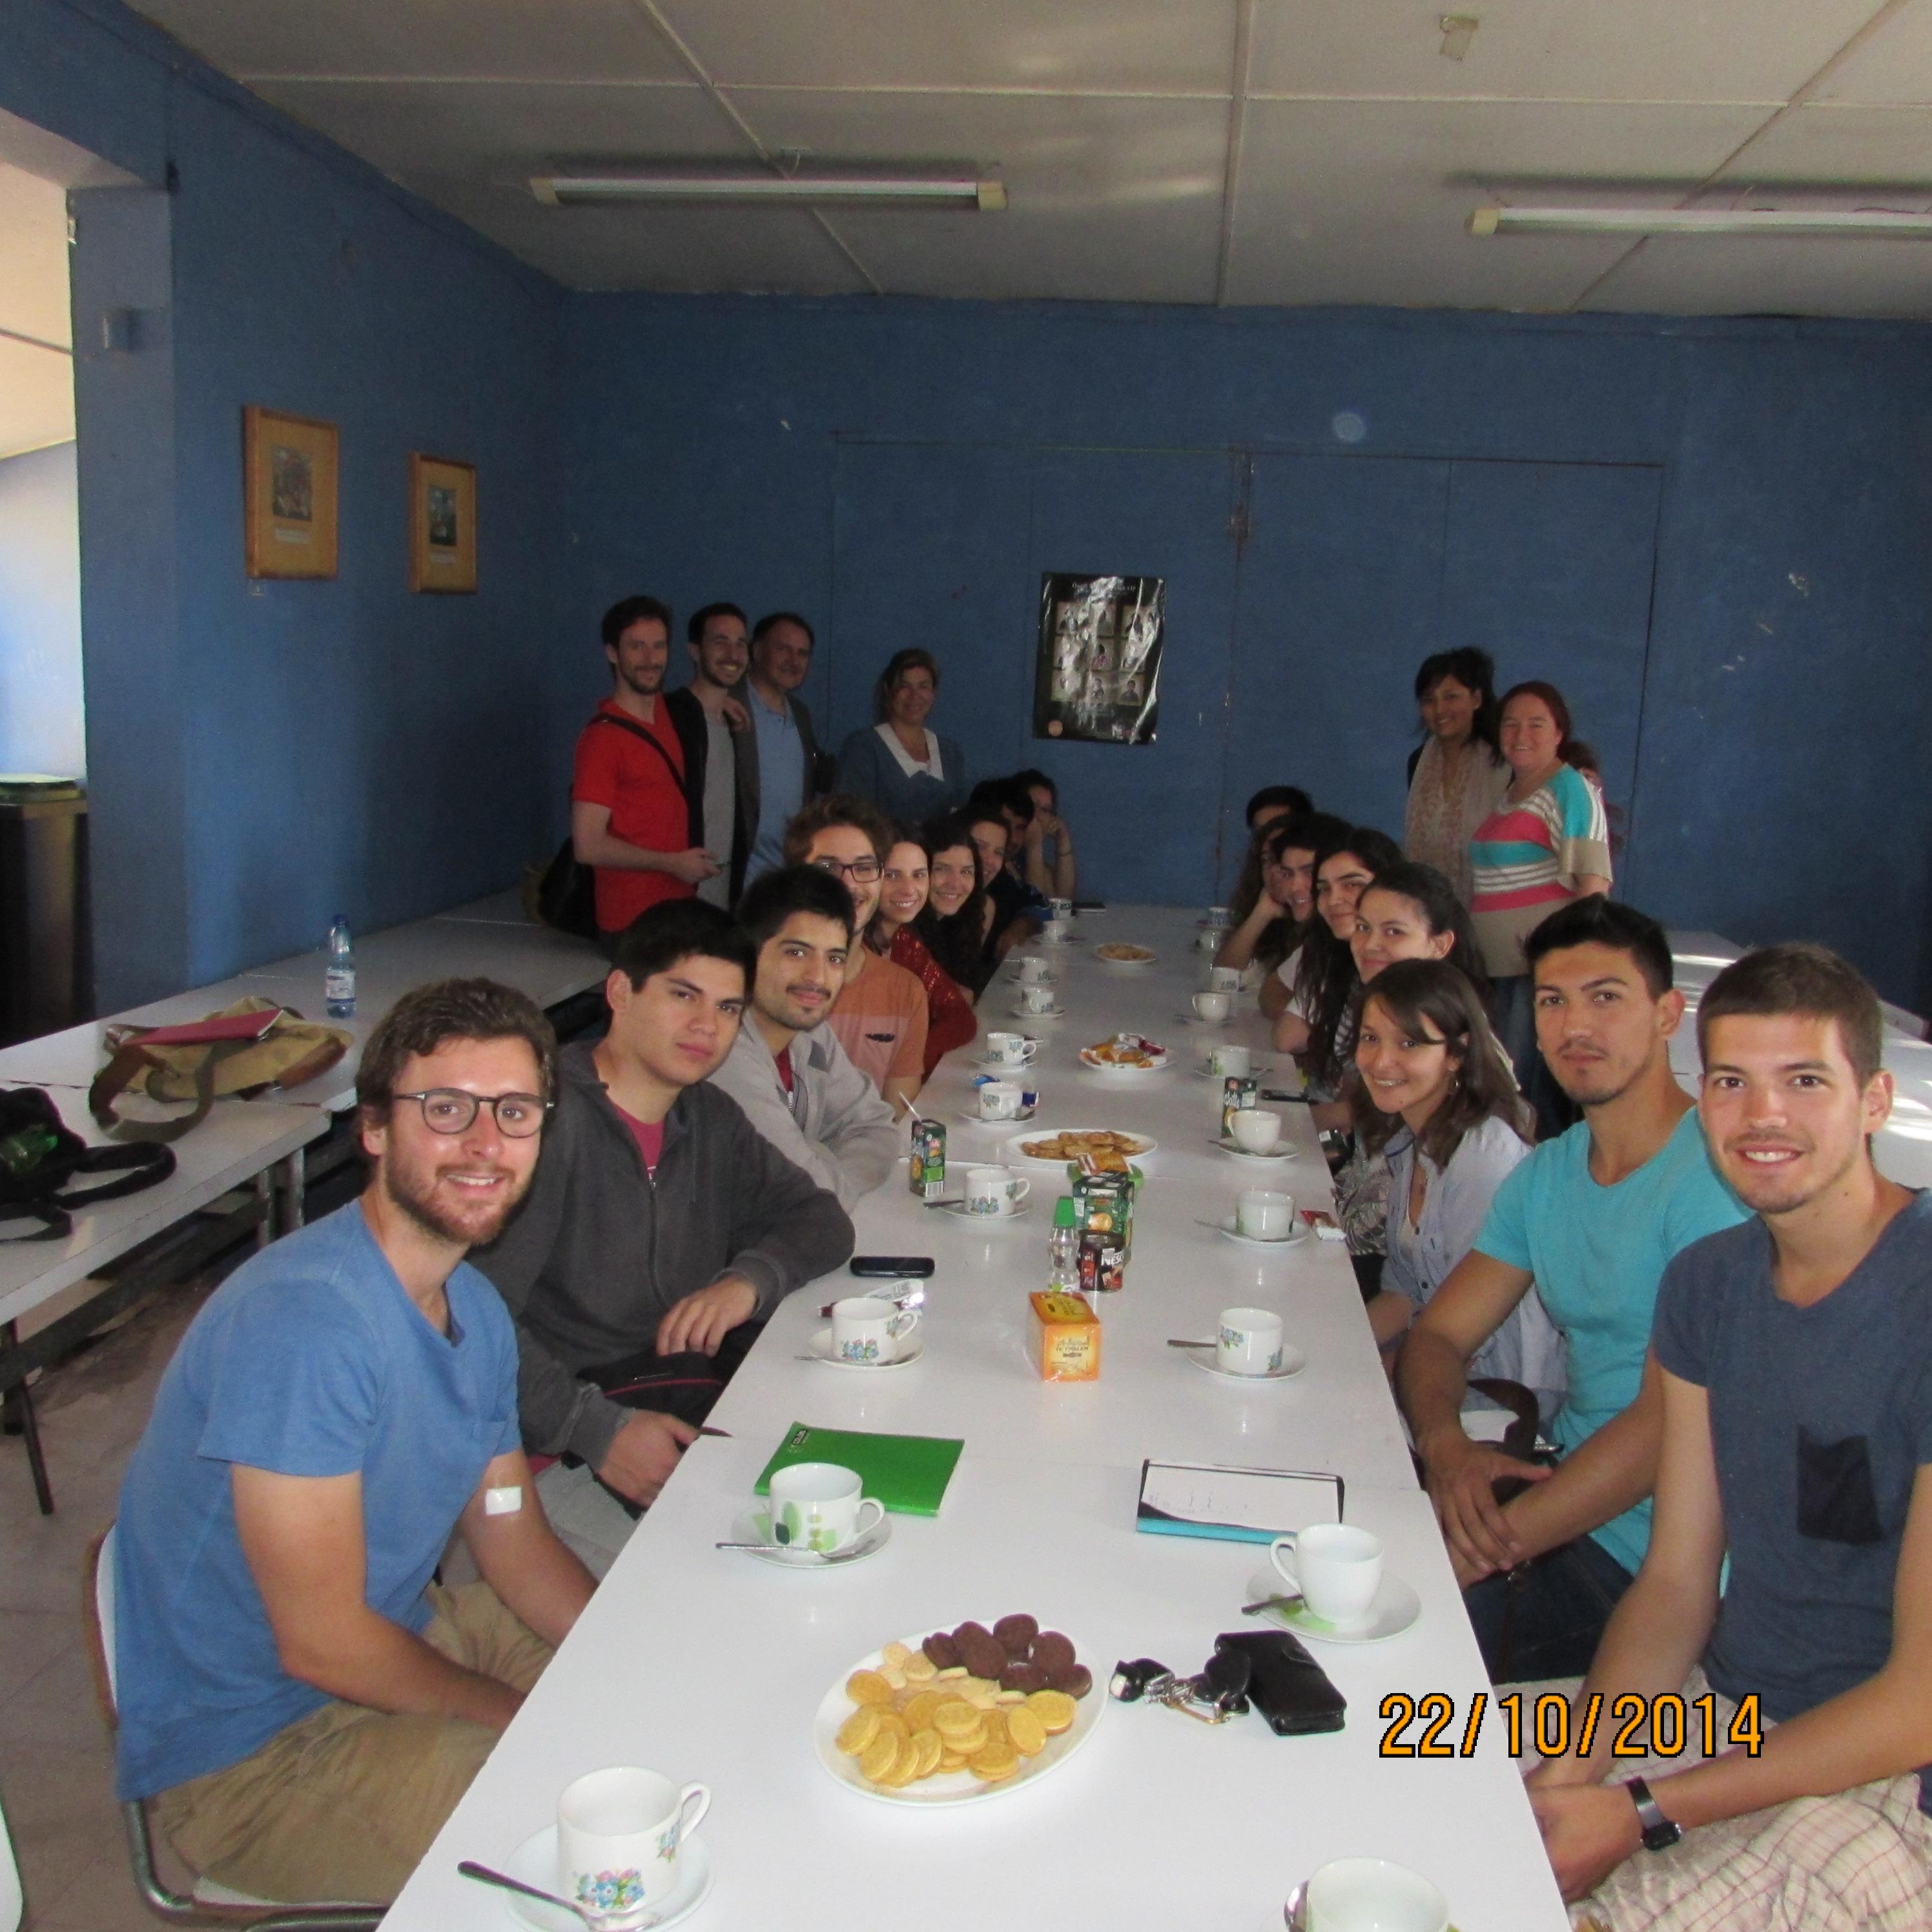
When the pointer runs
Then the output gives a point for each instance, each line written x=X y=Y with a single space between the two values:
x=774 y=190
x=1848 y=224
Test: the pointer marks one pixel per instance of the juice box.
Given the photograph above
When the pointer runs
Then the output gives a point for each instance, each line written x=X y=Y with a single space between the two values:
x=1064 y=1337
x=925 y=1165
x=1238 y=1090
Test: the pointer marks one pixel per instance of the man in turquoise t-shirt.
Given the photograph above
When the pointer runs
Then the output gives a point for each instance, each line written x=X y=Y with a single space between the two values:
x=1589 y=1221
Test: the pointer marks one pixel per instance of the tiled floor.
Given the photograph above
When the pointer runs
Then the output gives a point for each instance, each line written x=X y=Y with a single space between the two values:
x=56 y=1780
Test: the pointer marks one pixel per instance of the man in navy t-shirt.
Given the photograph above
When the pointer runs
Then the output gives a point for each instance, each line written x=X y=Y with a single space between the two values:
x=1790 y=1717
x=304 y=1704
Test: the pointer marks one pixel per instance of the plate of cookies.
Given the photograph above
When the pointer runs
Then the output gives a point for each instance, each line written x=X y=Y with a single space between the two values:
x=1123 y=957
x=1054 y=1147
x=956 y=1717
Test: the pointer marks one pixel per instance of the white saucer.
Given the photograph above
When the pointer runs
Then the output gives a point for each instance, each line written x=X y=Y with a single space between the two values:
x=1054 y=1012
x=1019 y=1065
x=1230 y=1232
x=756 y=1527
x=957 y=1209
x=1019 y=1120
x=1396 y=1607
x=1194 y=1019
x=911 y=1348
x=1293 y=1361
x=1281 y=1150
x=535 y=1862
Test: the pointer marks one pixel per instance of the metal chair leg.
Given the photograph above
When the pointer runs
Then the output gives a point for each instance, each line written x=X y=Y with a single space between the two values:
x=17 y=1405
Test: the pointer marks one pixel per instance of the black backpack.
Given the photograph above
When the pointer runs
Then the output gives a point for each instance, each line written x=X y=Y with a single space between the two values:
x=41 y=1157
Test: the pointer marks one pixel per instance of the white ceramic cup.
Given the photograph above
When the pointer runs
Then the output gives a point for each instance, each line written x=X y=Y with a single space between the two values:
x=1008 y=1049
x=1227 y=1058
x=1263 y=1214
x=1061 y=908
x=821 y=1506
x=1000 y=1100
x=1213 y=1006
x=1335 y=1566
x=867 y=1329
x=1373 y=1895
x=994 y=1190
x=618 y=1835
x=1210 y=937
x=1255 y=1130
x=1219 y=915
x=1057 y=930
x=1033 y=969
x=1247 y=1342
x=1224 y=979
x=1036 y=997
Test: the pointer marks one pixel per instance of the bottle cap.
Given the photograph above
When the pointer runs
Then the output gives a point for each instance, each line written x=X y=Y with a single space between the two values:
x=1066 y=1212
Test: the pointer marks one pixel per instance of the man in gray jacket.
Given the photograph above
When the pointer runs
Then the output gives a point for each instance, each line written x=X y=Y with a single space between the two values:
x=787 y=1069
x=660 y=1221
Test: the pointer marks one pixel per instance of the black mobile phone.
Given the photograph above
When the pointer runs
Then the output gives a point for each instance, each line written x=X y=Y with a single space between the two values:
x=1090 y=905
x=1281 y=1093
x=890 y=1268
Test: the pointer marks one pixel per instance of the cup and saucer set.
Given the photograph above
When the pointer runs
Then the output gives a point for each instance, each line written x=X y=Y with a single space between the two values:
x=1213 y=1006
x=998 y=1102
x=1264 y=1217
x=992 y=1194
x=867 y=1335
x=624 y=1851
x=1248 y=1347
x=1338 y=1590
x=817 y=1517
x=1255 y=1134
x=1008 y=1052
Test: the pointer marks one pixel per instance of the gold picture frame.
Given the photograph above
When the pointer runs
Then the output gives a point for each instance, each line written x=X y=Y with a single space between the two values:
x=442 y=524
x=290 y=466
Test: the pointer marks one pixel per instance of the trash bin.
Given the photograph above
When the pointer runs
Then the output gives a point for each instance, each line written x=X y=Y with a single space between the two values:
x=43 y=953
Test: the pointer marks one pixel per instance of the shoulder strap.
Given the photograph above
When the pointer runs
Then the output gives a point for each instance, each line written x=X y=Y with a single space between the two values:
x=638 y=730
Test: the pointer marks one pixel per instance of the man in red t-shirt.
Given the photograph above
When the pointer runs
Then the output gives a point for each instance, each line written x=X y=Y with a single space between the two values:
x=631 y=817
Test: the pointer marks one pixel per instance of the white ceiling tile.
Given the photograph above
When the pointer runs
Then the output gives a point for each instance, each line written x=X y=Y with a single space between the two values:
x=1894 y=64
x=1691 y=50
x=33 y=245
x=1752 y=275
x=1359 y=202
x=1849 y=144
x=1069 y=46
x=498 y=131
x=1111 y=199
x=597 y=40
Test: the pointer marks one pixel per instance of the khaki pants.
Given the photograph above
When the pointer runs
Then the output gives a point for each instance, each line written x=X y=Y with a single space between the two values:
x=1860 y=1861
x=342 y=1804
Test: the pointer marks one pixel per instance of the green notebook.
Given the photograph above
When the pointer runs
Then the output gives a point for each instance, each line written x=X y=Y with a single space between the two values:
x=908 y=1474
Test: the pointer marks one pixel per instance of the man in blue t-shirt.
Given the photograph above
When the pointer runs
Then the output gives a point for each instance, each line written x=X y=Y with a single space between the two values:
x=1587 y=1223
x=1796 y=1369
x=302 y=1703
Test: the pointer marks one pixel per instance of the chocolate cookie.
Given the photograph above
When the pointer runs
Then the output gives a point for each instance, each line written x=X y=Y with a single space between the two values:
x=1051 y=1651
x=940 y=1647
x=1017 y=1632
x=1076 y=1680
x=1022 y=1676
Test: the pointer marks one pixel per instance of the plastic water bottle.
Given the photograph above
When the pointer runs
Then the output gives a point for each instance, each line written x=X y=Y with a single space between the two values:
x=338 y=978
x=1063 y=1246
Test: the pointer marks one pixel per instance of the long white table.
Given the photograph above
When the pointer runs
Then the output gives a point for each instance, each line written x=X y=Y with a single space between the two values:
x=488 y=937
x=707 y=1665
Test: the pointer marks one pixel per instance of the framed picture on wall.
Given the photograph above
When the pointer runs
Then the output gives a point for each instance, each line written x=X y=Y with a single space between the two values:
x=443 y=523
x=289 y=466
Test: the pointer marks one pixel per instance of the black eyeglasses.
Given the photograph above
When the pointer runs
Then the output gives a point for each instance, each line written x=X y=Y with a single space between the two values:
x=860 y=872
x=449 y=1110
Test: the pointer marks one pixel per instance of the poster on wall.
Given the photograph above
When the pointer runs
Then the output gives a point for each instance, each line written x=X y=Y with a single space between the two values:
x=1099 y=670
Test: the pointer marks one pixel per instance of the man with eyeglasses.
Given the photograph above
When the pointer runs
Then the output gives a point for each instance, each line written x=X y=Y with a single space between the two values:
x=303 y=1703
x=661 y=1225
x=880 y=1014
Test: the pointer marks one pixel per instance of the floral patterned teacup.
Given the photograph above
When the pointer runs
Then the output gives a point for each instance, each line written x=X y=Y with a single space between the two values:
x=618 y=1835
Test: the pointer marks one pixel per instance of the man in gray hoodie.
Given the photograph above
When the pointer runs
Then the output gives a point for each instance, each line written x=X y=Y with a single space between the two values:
x=660 y=1220
x=787 y=1070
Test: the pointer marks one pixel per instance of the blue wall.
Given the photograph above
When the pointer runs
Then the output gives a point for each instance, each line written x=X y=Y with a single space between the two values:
x=712 y=443
x=40 y=709
x=264 y=753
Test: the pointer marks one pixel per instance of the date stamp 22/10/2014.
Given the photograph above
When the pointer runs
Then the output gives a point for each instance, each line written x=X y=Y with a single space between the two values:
x=1661 y=1726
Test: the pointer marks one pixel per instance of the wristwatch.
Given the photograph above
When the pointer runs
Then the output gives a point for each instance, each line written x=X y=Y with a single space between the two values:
x=1659 y=1834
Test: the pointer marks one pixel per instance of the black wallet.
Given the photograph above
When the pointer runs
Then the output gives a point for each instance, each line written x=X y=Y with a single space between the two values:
x=1284 y=1684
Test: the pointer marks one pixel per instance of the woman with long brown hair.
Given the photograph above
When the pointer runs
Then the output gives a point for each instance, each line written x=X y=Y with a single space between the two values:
x=1433 y=1094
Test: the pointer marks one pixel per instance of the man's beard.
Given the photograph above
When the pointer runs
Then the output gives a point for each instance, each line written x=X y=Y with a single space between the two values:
x=415 y=1194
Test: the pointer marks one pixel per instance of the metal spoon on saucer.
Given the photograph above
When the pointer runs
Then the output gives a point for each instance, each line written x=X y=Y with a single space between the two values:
x=596 y=1921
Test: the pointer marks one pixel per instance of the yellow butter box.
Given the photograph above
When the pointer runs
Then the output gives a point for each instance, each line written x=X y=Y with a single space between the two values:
x=1066 y=1336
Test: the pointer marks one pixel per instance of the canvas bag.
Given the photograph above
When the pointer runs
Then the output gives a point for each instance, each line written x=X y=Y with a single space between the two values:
x=46 y=1156
x=293 y=1050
